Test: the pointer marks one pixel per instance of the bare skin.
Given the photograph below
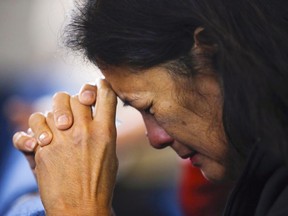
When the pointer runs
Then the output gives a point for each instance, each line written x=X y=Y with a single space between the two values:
x=191 y=125
x=84 y=155
x=79 y=147
x=192 y=129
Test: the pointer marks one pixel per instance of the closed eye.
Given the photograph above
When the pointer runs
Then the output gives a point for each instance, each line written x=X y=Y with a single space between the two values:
x=126 y=103
x=146 y=110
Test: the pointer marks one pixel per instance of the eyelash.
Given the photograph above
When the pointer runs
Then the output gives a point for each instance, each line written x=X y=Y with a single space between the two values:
x=125 y=104
x=146 y=110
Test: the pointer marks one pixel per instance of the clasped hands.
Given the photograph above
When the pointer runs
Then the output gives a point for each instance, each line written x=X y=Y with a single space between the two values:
x=72 y=152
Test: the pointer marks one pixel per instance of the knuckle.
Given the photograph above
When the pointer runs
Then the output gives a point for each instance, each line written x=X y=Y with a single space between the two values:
x=61 y=103
x=59 y=95
x=80 y=136
x=49 y=115
x=106 y=135
x=50 y=121
x=74 y=98
x=40 y=156
x=105 y=127
x=107 y=93
x=88 y=87
x=60 y=112
x=35 y=117
x=105 y=89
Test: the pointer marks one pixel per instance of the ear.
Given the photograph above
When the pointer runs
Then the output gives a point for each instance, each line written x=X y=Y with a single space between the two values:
x=203 y=51
x=203 y=38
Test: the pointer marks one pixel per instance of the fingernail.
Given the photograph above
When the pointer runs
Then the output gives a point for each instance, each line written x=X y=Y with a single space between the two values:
x=62 y=120
x=43 y=137
x=30 y=144
x=88 y=95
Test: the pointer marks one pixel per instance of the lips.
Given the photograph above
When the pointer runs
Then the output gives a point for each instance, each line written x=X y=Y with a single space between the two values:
x=188 y=155
x=195 y=160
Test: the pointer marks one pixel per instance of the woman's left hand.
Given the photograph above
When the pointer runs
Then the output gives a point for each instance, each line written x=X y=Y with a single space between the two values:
x=76 y=172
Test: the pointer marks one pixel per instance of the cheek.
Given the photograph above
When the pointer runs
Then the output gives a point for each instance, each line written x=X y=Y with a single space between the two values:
x=172 y=119
x=202 y=133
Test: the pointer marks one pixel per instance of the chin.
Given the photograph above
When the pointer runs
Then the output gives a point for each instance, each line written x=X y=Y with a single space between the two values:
x=215 y=175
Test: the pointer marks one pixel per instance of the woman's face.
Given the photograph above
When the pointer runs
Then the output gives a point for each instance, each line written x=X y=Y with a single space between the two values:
x=175 y=115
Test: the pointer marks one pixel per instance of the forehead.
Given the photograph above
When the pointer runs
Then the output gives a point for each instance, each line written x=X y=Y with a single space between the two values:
x=133 y=84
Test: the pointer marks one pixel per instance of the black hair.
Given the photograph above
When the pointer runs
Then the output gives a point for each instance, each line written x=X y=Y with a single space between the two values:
x=251 y=60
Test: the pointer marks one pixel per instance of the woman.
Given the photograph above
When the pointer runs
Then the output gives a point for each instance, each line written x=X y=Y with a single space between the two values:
x=210 y=80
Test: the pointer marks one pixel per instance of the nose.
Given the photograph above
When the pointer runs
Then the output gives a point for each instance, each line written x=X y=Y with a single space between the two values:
x=157 y=136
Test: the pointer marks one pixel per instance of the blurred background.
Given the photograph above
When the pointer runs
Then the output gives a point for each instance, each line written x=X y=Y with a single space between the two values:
x=33 y=66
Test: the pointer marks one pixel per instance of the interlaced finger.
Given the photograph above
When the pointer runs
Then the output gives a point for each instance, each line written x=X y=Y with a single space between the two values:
x=42 y=132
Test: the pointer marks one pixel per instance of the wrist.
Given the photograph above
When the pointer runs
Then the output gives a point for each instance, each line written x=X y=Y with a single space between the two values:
x=80 y=211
